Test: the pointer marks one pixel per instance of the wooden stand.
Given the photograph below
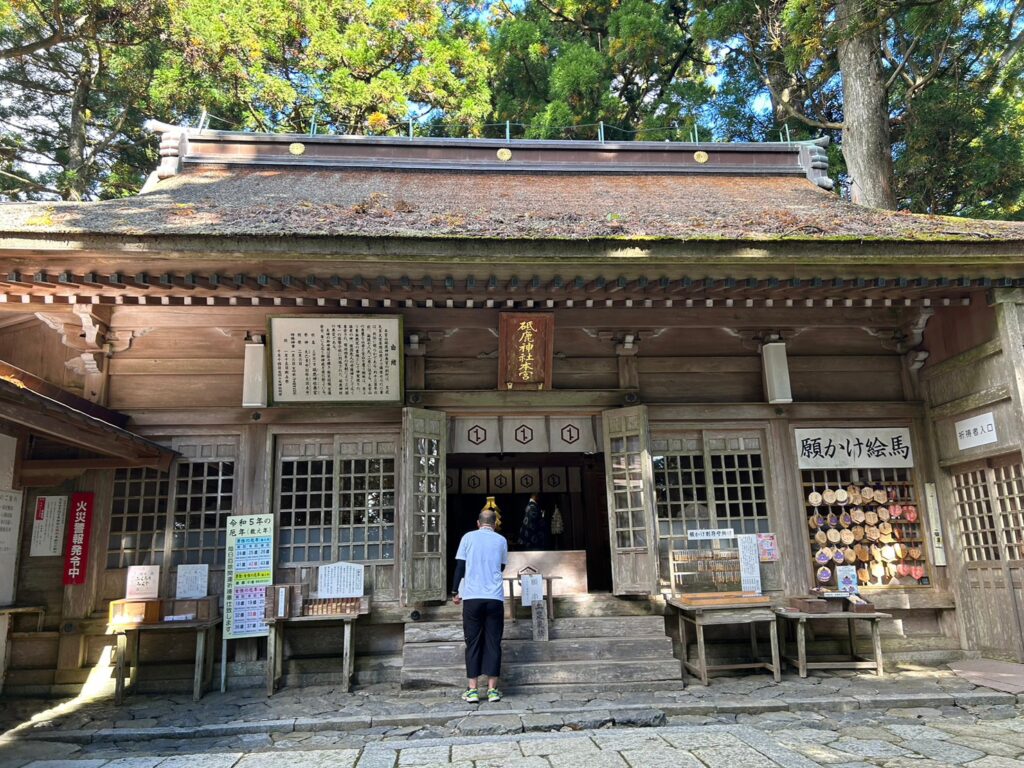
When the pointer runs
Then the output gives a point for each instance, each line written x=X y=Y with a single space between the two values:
x=854 y=660
x=548 y=596
x=205 y=631
x=709 y=612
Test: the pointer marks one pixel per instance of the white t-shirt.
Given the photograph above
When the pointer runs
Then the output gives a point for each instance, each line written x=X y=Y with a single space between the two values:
x=485 y=552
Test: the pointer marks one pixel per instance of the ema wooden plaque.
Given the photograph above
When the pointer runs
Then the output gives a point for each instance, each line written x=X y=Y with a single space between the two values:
x=526 y=343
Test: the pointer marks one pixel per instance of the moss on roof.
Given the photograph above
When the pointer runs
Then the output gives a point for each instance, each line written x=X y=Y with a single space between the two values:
x=279 y=202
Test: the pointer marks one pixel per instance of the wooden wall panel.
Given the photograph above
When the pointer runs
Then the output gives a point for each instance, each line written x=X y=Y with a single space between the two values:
x=195 y=391
x=35 y=347
x=953 y=330
x=978 y=374
x=40 y=579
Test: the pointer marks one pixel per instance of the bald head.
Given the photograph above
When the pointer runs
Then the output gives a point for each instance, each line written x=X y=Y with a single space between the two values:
x=486 y=517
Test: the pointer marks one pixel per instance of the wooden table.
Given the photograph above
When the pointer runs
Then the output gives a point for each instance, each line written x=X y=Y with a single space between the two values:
x=701 y=616
x=548 y=596
x=854 y=660
x=275 y=647
x=127 y=654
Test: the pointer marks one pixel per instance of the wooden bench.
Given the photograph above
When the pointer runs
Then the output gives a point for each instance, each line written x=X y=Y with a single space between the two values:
x=702 y=615
x=205 y=631
x=275 y=646
x=854 y=660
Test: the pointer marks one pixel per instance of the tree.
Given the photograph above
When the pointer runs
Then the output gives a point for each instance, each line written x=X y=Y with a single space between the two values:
x=860 y=67
x=77 y=77
x=633 y=64
x=340 y=65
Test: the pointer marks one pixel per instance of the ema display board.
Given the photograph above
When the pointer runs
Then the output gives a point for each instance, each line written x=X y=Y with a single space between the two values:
x=336 y=359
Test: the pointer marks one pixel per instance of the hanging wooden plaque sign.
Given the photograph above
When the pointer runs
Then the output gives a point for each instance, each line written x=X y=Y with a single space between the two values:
x=525 y=350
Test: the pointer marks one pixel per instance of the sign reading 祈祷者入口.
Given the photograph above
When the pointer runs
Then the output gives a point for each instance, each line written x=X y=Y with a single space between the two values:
x=336 y=359
x=860 y=448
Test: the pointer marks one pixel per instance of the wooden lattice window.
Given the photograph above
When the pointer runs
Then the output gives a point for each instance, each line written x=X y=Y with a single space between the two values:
x=160 y=518
x=366 y=530
x=138 y=518
x=976 y=524
x=627 y=487
x=427 y=493
x=990 y=510
x=335 y=499
x=1009 y=494
x=707 y=481
x=204 y=496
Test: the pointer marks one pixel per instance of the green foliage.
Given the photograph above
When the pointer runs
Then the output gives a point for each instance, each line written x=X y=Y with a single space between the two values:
x=350 y=65
x=76 y=77
x=633 y=64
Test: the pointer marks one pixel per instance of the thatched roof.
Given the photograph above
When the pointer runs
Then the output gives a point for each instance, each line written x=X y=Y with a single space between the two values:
x=238 y=184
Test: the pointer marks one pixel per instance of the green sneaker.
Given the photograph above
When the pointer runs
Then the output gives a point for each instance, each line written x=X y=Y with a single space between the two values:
x=471 y=695
x=493 y=694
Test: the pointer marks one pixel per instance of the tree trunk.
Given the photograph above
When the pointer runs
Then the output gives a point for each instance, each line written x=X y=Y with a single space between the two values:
x=77 y=140
x=867 y=145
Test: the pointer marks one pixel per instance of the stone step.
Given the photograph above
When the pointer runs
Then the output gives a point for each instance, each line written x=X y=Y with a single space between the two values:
x=525 y=651
x=635 y=626
x=568 y=606
x=550 y=672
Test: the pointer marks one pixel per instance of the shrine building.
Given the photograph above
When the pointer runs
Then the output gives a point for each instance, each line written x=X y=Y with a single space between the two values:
x=671 y=344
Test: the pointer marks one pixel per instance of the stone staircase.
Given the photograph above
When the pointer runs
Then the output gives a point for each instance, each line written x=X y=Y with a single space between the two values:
x=612 y=652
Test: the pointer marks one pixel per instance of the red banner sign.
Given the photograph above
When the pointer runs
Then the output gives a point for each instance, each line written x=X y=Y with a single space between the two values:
x=76 y=558
x=526 y=348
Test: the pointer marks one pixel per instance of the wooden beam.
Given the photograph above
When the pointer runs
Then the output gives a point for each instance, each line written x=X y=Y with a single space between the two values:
x=94 y=440
x=50 y=465
x=555 y=398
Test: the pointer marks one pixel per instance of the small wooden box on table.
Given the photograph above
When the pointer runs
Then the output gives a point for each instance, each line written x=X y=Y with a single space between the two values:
x=130 y=618
x=800 y=620
x=718 y=611
x=337 y=610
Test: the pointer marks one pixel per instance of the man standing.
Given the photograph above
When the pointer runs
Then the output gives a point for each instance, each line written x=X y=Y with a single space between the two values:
x=478 y=586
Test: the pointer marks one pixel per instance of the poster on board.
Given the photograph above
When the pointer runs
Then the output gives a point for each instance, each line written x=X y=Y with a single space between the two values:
x=143 y=582
x=192 y=582
x=248 y=570
x=10 y=528
x=48 y=522
x=340 y=580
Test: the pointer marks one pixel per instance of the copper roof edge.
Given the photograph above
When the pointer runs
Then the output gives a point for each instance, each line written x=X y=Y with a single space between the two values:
x=180 y=145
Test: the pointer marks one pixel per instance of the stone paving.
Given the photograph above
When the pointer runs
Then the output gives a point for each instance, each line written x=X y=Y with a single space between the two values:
x=921 y=718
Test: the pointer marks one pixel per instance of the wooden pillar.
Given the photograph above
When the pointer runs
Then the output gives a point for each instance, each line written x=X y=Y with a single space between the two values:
x=415 y=363
x=629 y=372
x=81 y=599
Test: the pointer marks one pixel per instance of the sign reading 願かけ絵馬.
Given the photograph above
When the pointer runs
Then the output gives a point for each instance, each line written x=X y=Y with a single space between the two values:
x=336 y=359
x=856 y=448
x=525 y=350
x=76 y=557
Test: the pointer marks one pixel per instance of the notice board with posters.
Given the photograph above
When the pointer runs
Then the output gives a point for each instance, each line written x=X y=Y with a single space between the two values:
x=248 y=570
